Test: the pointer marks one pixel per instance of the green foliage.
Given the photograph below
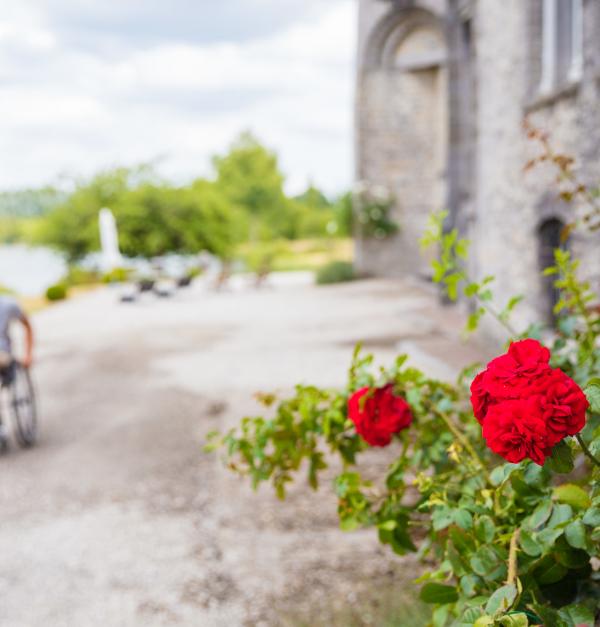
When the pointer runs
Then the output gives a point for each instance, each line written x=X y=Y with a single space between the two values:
x=250 y=179
x=344 y=215
x=30 y=202
x=152 y=218
x=450 y=273
x=336 y=272
x=372 y=207
x=246 y=201
x=116 y=275
x=249 y=174
x=77 y=275
x=281 y=255
x=57 y=292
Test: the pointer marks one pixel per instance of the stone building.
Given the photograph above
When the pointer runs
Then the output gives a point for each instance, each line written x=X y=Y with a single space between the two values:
x=443 y=88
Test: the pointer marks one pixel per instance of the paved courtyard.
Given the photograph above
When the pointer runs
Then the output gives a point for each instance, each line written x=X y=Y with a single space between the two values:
x=118 y=518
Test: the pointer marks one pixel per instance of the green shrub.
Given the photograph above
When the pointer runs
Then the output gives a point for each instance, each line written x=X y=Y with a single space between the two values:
x=57 y=292
x=336 y=272
x=373 y=207
x=194 y=272
x=116 y=275
x=80 y=276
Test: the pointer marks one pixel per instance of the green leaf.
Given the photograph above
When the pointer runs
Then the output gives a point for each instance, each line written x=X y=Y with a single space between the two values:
x=536 y=476
x=469 y=616
x=570 y=557
x=540 y=515
x=550 y=616
x=438 y=593
x=577 y=614
x=561 y=513
x=561 y=460
x=553 y=574
x=441 y=518
x=528 y=544
x=486 y=563
x=500 y=473
x=502 y=599
x=462 y=248
x=547 y=537
x=573 y=495
x=518 y=619
x=349 y=524
x=512 y=303
x=440 y=616
x=592 y=517
x=575 y=534
x=468 y=584
x=474 y=318
x=485 y=529
x=484 y=621
x=463 y=518
x=471 y=289
x=592 y=393
x=463 y=542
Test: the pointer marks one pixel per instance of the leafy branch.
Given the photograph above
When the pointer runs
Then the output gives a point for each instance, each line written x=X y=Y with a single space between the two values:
x=450 y=272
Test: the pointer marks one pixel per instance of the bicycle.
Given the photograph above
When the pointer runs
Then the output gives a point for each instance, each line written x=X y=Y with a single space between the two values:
x=19 y=401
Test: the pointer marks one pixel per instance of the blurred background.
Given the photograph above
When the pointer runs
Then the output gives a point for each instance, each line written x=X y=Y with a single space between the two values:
x=234 y=121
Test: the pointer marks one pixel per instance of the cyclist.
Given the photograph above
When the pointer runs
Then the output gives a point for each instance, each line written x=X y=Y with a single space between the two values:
x=10 y=311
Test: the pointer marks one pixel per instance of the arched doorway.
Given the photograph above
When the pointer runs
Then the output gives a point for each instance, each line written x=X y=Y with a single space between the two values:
x=549 y=238
x=402 y=129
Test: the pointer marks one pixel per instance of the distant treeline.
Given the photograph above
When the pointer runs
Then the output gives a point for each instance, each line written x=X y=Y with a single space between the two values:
x=244 y=201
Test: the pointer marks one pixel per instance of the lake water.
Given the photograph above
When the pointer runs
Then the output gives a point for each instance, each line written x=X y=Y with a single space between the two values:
x=30 y=270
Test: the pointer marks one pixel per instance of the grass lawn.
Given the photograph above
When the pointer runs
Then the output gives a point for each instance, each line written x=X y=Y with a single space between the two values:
x=291 y=255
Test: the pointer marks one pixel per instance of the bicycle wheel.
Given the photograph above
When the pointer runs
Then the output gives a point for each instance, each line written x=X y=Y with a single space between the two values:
x=21 y=404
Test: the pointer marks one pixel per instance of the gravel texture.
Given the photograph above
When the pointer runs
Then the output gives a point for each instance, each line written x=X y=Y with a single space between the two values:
x=118 y=518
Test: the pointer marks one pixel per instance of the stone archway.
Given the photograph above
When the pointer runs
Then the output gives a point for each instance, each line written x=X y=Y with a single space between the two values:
x=402 y=128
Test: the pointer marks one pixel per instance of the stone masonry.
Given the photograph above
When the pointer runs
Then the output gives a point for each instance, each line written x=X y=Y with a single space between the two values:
x=443 y=88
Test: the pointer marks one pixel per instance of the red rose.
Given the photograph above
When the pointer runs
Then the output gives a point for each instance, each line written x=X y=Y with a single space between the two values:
x=378 y=413
x=480 y=399
x=516 y=429
x=506 y=375
x=525 y=406
x=564 y=404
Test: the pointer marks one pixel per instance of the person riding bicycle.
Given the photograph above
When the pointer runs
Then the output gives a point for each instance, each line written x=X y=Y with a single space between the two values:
x=10 y=311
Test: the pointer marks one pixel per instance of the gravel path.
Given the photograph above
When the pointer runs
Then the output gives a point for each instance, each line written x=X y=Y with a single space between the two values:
x=118 y=518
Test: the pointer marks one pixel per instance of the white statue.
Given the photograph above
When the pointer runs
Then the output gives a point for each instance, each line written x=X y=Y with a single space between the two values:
x=109 y=240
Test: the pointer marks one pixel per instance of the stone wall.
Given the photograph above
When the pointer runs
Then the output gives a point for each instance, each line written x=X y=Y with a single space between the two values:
x=448 y=131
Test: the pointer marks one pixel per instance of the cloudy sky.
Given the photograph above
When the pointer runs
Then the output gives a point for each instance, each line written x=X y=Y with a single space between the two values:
x=87 y=84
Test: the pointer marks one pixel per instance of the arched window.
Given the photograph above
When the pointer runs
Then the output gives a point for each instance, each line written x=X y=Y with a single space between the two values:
x=549 y=238
x=562 y=43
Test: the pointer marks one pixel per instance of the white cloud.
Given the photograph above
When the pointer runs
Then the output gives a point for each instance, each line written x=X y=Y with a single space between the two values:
x=75 y=109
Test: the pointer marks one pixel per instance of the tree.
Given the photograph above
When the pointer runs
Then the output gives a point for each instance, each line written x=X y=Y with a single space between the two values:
x=249 y=177
x=153 y=218
x=313 y=198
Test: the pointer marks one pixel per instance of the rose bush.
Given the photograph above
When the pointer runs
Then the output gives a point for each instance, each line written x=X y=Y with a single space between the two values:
x=496 y=481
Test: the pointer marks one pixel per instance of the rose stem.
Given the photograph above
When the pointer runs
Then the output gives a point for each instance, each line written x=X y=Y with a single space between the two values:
x=586 y=450
x=512 y=557
x=463 y=440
